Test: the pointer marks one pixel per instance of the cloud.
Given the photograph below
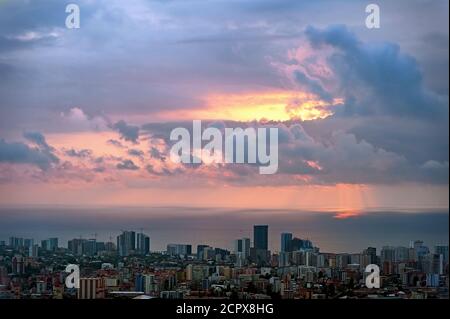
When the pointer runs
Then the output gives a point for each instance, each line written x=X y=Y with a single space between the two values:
x=157 y=154
x=334 y=157
x=127 y=132
x=39 y=140
x=127 y=165
x=386 y=101
x=83 y=153
x=433 y=171
x=163 y=171
x=312 y=85
x=431 y=164
x=375 y=79
x=115 y=143
x=135 y=152
x=20 y=153
x=77 y=120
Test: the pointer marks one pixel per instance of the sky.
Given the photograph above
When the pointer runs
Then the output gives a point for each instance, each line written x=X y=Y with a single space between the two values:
x=362 y=114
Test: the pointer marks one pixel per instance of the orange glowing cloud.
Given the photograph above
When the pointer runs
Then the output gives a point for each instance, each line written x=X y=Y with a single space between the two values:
x=274 y=105
x=314 y=164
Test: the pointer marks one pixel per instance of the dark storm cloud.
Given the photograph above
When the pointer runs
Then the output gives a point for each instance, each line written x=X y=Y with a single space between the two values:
x=127 y=132
x=39 y=140
x=393 y=78
x=20 y=153
x=345 y=159
x=387 y=105
x=312 y=85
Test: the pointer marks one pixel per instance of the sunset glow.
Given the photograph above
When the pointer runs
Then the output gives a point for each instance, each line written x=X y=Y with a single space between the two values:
x=361 y=120
x=269 y=106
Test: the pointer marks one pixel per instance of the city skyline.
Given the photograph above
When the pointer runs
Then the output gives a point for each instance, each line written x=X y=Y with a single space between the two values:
x=139 y=241
x=300 y=271
x=128 y=240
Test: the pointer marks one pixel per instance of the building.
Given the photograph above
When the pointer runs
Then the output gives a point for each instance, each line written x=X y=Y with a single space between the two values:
x=139 y=283
x=15 y=242
x=433 y=264
x=126 y=243
x=209 y=253
x=50 y=244
x=33 y=251
x=420 y=250
x=286 y=242
x=143 y=244
x=283 y=259
x=100 y=246
x=246 y=247
x=261 y=237
x=4 y=279
x=242 y=247
x=387 y=254
x=238 y=246
x=260 y=253
x=18 y=265
x=76 y=246
x=200 y=249
x=150 y=284
x=179 y=249
x=402 y=254
x=53 y=243
x=110 y=246
x=91 y=288
x=301 y=244
x=371 y=253
x=27 y=243
x=41 y=287
x=442 y=250
x=89 y=247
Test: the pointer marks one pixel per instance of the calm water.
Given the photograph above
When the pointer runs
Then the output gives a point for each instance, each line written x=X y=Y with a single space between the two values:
x=219 y=227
